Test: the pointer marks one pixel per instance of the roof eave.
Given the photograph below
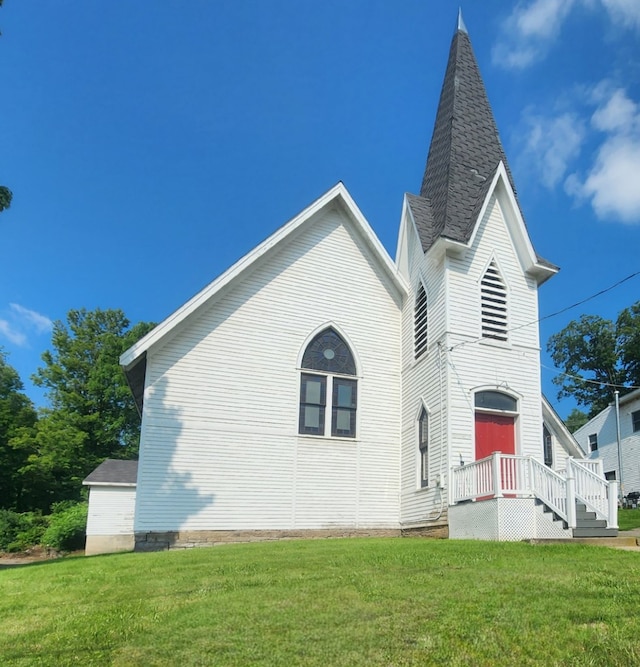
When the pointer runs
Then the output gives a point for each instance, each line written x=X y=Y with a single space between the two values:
x=123 y=484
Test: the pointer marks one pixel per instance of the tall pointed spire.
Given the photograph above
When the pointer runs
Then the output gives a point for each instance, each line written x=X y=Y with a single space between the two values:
x=465 y=149
x=461 y=26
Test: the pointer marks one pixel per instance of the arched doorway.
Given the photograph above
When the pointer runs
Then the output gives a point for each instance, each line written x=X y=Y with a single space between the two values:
x=495 y=420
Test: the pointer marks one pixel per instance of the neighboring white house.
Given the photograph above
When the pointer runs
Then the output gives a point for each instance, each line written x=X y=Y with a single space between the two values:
x=599 y=439
x=319 y=387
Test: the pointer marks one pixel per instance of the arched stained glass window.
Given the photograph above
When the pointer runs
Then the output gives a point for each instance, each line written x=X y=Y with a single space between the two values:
x=328 y=400
x=328 y=352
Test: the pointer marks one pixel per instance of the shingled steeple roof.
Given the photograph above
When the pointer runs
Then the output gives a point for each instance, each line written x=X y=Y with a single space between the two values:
x=464 y=154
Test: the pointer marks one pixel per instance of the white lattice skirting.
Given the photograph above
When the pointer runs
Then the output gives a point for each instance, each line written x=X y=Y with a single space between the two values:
x=504 y=520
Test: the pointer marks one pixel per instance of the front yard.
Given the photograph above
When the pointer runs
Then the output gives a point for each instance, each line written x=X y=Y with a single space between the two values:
x=328 y=602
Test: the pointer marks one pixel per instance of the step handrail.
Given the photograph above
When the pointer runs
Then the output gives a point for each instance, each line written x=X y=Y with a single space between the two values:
x=596 y=493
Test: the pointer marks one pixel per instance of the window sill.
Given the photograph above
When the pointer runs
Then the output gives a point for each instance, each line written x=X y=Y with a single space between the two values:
x=328 y=438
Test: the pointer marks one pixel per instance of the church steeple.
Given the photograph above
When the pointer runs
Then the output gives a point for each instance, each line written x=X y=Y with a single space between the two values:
x=465 y=150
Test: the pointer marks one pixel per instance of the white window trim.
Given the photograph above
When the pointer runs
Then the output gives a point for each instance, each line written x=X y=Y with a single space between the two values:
x=328 y=407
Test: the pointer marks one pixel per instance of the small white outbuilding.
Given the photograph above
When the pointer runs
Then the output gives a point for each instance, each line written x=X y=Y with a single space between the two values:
x=112 y=500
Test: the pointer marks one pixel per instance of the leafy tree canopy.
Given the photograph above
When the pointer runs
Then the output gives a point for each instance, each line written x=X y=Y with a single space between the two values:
x=5 y=197
x=86 y=386
x=576 y=419
x=16 y=413
x=604 y=353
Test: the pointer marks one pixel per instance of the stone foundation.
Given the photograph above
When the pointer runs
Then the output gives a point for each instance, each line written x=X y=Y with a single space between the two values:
x=438 y=531
x=188 y=539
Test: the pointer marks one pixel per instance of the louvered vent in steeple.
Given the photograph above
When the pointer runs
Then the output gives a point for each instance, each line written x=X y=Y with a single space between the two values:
x=493 y=304
x=420 y=322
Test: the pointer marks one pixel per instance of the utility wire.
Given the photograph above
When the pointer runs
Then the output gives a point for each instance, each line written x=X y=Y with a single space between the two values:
x=581 y=379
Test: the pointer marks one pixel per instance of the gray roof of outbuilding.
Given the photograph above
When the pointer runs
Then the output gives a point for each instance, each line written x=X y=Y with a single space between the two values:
x=464 y=154
x=114 y=471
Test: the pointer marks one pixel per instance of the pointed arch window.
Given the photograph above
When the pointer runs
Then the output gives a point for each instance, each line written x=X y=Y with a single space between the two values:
x=493 y=296
x=547 y=442
x=423 y=446
x=328 y=396
x=420 y=322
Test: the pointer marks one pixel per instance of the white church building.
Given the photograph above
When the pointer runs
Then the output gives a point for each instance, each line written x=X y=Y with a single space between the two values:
x=319 y=387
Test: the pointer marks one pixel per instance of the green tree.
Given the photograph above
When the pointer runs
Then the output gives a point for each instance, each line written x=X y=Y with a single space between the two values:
x=5 y=197
x=55 y=460
x=86 y=386
x=576 y=419
x=595 y=355
x=16 y=413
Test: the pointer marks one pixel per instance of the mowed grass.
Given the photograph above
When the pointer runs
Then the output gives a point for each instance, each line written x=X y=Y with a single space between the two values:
x=628 y=519
x=328 y=602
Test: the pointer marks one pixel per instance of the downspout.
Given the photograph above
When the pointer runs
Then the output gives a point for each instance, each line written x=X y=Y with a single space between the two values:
x=444 y=456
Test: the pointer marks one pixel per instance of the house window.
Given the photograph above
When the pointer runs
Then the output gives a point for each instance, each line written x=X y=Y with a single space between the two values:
x=610 y=476
x=635 y=420
x=493 y=299
x=548 y=447
x=420 y=322
x=423 y=446
x=328 y=399
x=593 y=442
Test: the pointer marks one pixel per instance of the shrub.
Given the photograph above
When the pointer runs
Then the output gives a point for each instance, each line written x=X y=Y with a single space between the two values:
x=67 y=527
x=19 y=532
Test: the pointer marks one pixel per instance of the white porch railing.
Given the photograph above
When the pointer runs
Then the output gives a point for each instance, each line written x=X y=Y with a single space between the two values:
x=595 y=465
x=501 y=475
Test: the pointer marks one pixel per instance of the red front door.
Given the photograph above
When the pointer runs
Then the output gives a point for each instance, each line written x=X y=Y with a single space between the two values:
x=494 y=433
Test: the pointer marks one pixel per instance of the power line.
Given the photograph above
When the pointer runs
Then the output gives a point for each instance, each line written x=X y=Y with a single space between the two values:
x=581 y=379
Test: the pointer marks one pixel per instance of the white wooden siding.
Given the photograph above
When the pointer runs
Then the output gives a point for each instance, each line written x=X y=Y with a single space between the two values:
x=604 y=425
x=220 y=448
x=111 y=510
x=423 y=382
x=475 y=363
x=447 y=377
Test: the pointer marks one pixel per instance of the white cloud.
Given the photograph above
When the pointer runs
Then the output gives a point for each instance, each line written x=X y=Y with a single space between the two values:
x=531 y=29
x=625 y=12
x=41 y=323
x=528 y=32
x=552 y=143
x=617 y=114
x=20 y=322
x=12 y=334
x=611 y=181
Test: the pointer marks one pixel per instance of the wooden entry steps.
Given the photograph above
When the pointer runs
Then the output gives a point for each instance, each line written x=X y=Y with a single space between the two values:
x=589 y=526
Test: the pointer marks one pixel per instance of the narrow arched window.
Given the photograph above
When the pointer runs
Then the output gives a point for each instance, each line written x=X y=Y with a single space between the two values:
x=493 y=297
x=328 y=396
x=420 y=322
x=547 y=442
x=423 y=446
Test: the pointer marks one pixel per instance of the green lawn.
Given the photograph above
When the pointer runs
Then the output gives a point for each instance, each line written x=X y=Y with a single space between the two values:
x=328 y=602
x=628 y=519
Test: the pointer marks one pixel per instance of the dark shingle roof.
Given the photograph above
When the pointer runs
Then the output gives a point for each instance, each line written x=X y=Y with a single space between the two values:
x=114 y=471
x=465 y=150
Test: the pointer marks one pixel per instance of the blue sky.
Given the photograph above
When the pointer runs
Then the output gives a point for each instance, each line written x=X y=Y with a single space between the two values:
x=149 y=145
